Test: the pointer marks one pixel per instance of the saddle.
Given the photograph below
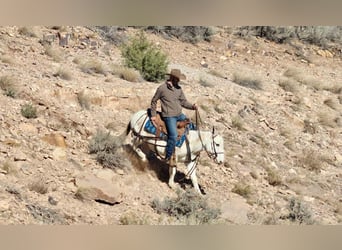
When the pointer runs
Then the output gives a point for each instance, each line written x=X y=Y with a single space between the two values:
x=161 y=127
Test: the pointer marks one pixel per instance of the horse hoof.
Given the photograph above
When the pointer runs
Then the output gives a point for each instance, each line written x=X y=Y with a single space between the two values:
x=172 y=185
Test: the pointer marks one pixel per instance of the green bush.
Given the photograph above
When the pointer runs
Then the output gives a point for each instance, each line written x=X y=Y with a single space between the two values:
x=143 y=56
x=29 y=111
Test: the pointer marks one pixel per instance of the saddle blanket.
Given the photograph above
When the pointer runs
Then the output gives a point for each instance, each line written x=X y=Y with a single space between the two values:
x=149 y=127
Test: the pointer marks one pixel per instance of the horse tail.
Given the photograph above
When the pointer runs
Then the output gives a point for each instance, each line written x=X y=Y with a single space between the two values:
x=128 y=129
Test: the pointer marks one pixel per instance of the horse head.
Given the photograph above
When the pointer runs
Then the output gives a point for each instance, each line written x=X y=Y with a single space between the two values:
x=215 y=147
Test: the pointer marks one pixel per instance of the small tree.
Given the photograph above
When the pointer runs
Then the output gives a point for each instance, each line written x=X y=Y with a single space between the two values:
x=143 y=56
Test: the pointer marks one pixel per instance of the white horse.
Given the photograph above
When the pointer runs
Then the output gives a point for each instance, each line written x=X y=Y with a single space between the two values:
x=188 y=153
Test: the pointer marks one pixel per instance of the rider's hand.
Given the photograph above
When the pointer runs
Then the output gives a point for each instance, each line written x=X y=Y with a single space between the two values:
x=154 y=119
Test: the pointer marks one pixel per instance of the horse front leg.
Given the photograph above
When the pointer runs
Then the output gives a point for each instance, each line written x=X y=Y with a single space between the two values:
x=136 y=143
x=191 y=167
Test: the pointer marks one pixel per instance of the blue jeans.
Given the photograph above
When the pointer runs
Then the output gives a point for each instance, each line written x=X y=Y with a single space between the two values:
x=171 y=126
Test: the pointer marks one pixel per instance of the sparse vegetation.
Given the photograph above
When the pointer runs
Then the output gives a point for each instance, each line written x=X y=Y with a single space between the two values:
x=216 y=73
x=108 y=150
x=92 y=66
x=247 y=81
x=83 y=100
x=190 y=34
x=273 y=177
x=9 y=168
x=143 y=56
x=311 y=160
x=64 y=74
x=27 y=31
x=242 y=189
x=289 y=85
x=205 y=82
x=125 y=73
x=328 y=119
x=7 y=59
x=54 y=53
x=237 y=123
x=39 y=186
x=8 y=85
x=131 y=218
x=29 y=111
x=299 y=212
x=187 y=207
x=331 y=103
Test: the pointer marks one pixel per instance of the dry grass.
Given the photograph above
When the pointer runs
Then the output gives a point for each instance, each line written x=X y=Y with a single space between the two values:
x=92 y=66
x=7 y=59
x=131 y=218
x=64 y=74
x=27 y=31
x=311 y=160
x=39 y=186
x=83 y=100
x=247 y=81
x=216 y=73
x=332 y=103
x=125 y=73
x=273 y=177
x=328 y=119
x=237 y=123
x=205 y=82
x=54 y=53
x=289 y=85
x=9 y=168
x=300 y=77
x=7 y=82
x=310 y=127
x=242 y=189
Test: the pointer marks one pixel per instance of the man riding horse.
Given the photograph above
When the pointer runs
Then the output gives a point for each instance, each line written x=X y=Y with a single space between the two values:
x=172 y=100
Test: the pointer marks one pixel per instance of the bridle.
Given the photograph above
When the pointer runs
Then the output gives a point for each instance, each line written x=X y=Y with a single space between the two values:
x=214 y=154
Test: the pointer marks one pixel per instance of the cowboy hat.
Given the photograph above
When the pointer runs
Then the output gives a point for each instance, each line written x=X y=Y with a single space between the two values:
x=177 y=73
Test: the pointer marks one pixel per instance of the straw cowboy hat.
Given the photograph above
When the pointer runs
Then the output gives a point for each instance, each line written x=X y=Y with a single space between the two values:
x=177 y=73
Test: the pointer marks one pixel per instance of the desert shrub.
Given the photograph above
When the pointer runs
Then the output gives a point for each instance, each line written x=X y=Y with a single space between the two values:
x=27 y=31
x=54 y=53
x=29 y=111
x=318 y=35
x=311 y=160
x=64 y=74
x=187 y=207
x=83 y=100
x=113 y=34
x=205 y=82
x=8 y=85
x=242 y=189
x=289 y=85
x=107 y=150
x=125 y=73
x=143 y=56
x=273 y=177
x=331 y=103
x=190 y=34
x=39 y=186
x=299 y=212
x=92 y=66
x=247 y=81
x=131 y=218
x=237 y=123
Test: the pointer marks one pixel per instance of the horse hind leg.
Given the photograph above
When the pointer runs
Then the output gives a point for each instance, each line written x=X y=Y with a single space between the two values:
x=172 y=174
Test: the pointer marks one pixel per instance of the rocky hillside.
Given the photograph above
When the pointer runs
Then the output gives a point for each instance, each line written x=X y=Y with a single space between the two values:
x=278 y=107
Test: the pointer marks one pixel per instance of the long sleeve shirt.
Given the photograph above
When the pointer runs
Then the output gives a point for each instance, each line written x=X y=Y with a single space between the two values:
x=172 y=100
